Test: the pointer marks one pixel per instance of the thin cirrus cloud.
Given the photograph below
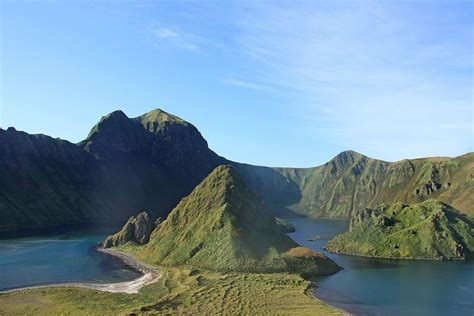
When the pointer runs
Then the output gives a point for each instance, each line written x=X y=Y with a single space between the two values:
x=247 y=84
x=186 y=41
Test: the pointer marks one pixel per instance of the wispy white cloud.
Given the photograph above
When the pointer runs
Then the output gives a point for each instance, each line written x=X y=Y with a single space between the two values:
x=247 y=84
x=186 y=41
x=165 y=33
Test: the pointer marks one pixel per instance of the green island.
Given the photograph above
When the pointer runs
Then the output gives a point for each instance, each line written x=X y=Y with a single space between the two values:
x=427 y=230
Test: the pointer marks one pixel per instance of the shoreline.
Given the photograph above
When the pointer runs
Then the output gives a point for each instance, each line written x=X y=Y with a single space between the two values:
x=311 y=290
x=345 y=311
x=150 y=275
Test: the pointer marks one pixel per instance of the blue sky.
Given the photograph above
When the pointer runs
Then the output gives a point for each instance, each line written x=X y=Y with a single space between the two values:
x=283 y=83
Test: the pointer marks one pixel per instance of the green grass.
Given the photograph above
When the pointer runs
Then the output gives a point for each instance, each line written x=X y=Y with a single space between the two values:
x=428 y=230
x=179 y=291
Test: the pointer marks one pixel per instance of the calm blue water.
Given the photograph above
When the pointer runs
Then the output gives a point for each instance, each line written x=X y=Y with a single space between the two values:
x=389 y=287
x=66 y=257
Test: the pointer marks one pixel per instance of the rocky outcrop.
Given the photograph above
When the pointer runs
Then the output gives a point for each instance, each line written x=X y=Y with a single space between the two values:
x=284 y=225
x=430 y=183
x=368 y=214
x=137 y=230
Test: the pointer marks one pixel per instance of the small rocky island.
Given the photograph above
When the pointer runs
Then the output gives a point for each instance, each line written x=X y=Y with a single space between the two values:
x=285 y=226
x=428 y=230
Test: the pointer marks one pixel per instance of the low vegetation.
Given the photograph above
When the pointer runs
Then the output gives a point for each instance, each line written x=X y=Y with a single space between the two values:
x=179 y=291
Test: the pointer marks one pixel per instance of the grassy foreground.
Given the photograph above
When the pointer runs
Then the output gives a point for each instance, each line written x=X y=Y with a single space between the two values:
x=179 y=291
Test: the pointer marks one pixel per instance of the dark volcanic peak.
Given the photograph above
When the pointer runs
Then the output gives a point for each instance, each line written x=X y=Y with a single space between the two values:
x=149 y=162
x=116 y=133
x=113 y=119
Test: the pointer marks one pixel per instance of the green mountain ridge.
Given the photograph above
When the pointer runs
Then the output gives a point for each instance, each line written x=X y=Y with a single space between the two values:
x=152 y=161
x=427 y=230
x=223 y=226
x=351 y=181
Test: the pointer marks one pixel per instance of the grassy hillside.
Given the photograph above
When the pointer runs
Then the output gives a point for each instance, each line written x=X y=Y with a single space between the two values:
x=223 y=226
x=352 y=181
x=178 y=292
x=428 y=230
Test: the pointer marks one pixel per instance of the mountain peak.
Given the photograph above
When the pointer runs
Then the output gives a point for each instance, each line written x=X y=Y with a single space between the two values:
x=157 y=119
x=112 y=120
x=117 y=114
x=349 y=154
x=343 y=159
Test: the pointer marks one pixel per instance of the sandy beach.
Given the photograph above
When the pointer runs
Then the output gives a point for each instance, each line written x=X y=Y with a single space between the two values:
x=150 y=275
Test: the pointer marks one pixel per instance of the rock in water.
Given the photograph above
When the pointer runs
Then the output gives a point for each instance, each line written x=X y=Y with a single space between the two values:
x=285 y=226
x=137 y=229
